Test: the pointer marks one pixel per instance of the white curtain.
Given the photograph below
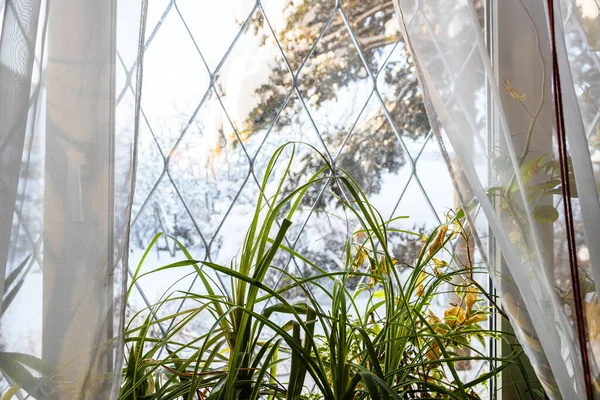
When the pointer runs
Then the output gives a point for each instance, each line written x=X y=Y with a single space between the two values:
x=67 y=113
x=488 y=93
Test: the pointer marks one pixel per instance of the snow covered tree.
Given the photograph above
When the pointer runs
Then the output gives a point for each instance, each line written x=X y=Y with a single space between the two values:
x=326 y=65
x=325 y=61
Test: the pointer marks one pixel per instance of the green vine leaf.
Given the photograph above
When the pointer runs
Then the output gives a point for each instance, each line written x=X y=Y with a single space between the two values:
x=541 y=189
x=545 y=214
x=531 y=169
x=558 y=190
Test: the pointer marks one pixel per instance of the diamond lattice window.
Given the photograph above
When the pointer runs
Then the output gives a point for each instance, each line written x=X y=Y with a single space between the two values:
x=226 y=84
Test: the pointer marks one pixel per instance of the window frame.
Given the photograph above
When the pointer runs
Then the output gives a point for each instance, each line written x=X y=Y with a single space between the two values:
x=503 y=67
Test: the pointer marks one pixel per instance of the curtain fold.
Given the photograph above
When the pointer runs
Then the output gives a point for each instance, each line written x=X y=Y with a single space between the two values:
x=495 y=98
x=67 y=168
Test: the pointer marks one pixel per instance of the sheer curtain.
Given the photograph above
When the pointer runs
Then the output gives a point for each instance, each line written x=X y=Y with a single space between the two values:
x=491 y=99
x=67 y=140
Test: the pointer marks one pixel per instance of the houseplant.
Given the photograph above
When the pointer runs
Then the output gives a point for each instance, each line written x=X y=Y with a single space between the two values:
x=368 y=330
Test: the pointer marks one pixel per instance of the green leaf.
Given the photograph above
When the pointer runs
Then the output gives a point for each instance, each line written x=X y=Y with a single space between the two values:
x=13 y=275
x=542 y=188
x=8 y=299
x=530 y=169
x=32 y=362
x=371 y=384
x=551 y=184
x=544 y=214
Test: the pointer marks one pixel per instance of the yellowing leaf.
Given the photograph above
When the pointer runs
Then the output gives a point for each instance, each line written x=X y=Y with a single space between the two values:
x=512 y=91
x=453 y=315
x=379 y=294
x=420 y=288
x=434 y=351
x=439 y=263
x=470 y=298
x=432 y=318
x=530 y=169
x=384 y=266
x=474 y=319
x=360 y=258
x=422 y=277
x=437 y=243
x=438 y=266
x=371 y=284
x=373 y=267
x=12 y=391
x=420 y=291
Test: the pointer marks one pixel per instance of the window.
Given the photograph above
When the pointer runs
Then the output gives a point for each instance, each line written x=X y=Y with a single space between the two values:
x=227 y=84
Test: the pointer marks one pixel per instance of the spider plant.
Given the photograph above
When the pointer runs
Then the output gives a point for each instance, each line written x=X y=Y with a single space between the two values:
x=368 y=330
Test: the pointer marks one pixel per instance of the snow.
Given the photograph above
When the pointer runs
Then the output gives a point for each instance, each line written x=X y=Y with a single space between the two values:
x=392 y=28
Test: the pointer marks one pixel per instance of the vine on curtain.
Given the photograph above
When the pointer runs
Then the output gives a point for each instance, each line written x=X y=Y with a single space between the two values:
x=67 y=87
x=493 y=103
